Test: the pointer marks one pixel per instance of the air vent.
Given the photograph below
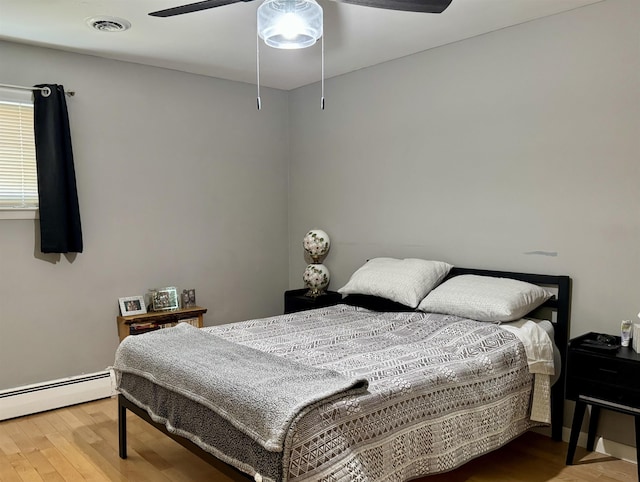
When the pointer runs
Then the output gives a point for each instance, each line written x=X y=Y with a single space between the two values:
x=109 y=24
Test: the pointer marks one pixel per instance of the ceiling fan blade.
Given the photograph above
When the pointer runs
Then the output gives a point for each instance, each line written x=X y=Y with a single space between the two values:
x=194 y=7
x=424 y=6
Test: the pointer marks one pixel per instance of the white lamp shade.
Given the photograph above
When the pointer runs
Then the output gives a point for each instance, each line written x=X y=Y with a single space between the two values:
x=290 y=24
x=316 y=244
x=316 y=279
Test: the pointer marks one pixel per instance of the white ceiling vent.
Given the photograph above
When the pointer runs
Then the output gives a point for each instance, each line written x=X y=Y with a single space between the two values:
x=109 y=24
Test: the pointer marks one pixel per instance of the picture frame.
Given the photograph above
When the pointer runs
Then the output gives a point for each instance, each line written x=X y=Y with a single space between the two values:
x=132 y=305
x=188 y=298
x=163 y=299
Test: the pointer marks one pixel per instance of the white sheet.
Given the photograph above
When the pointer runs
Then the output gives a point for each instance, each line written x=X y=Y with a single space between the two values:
x=540 y=357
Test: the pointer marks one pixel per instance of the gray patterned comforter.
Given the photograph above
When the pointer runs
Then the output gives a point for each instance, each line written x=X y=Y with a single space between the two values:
x=442 y=390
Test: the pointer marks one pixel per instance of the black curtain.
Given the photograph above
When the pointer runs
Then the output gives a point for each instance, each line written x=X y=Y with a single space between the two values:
x=60 y=230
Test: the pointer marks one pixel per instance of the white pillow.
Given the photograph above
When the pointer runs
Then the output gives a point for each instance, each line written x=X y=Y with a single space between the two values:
x=484 y=298
x=405 y=281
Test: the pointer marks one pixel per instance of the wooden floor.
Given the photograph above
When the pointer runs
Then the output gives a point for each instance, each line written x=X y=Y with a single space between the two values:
x=81 y=443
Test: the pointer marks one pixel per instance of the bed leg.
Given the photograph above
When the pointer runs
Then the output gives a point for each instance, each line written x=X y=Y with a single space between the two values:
x=122 y=428
x=557 y=409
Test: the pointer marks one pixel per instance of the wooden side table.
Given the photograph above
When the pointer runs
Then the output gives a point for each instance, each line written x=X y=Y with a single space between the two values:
x=603 y=380
x=296 y=300
x=159 y=319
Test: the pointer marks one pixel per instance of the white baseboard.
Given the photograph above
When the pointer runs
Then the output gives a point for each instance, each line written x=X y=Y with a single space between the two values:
x=604 y=446
x=39 y=397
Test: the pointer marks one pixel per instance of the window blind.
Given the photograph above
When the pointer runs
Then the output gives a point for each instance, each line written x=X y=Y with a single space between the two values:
x=18 y=174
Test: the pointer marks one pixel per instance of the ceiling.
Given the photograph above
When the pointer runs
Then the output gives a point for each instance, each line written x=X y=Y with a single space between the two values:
x=221 y=42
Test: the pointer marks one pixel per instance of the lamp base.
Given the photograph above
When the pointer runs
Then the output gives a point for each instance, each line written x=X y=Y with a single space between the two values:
x=316 y=279
x=313 y=293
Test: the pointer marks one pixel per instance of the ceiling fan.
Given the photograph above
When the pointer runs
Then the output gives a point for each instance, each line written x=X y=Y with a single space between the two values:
x=423 y=6
x=294 y=24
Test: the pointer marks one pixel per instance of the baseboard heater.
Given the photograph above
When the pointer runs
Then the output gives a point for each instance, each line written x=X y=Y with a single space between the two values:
x=40 y=397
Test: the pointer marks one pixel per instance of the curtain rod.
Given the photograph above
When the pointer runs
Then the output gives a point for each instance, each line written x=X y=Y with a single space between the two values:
x=70 y=93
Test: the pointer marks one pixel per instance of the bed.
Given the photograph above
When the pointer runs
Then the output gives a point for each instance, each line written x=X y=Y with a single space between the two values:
x=392 y=392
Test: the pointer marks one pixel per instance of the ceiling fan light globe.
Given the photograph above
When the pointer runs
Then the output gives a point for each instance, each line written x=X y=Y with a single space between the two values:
x=290 y=24
x=299 y=41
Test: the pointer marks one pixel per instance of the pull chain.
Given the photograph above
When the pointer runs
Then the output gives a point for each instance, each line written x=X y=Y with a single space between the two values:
x=322 y=68
x=259 y=102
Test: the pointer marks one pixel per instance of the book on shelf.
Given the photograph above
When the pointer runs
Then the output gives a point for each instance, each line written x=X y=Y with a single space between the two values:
x=142 y=325
x=191 y=321
x=138 y=328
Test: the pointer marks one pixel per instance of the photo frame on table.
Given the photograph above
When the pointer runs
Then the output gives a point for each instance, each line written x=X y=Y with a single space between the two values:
x=165 y=299
x=188 y=298
x=132 y=305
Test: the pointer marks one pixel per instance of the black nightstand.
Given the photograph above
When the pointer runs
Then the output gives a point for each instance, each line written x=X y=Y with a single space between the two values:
x=603 y=380
x=295 y=300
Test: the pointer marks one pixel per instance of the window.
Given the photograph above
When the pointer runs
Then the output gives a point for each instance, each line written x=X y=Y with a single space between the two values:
x=18 y=175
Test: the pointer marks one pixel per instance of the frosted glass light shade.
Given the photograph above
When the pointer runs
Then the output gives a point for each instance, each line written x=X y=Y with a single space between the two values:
x=316 y=279
x=290 y=24
x=316 y=244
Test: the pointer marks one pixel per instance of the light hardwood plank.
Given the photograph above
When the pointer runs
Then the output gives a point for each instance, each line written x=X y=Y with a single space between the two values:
x=24 y=469
x=42 y=465
x=63 y=467
x=7 y=445
x=7 y=472
x=72 y=451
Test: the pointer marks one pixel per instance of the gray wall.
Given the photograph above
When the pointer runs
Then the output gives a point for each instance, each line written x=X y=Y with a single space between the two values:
x=181 y=183
x=476 y=153
x=479 y=152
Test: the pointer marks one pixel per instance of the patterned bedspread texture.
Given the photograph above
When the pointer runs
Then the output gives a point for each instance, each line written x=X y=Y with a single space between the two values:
x=259 y=393
x=442 y=391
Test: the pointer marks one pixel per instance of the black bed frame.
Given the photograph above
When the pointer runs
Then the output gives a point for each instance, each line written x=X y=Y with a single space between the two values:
x=561 y=303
